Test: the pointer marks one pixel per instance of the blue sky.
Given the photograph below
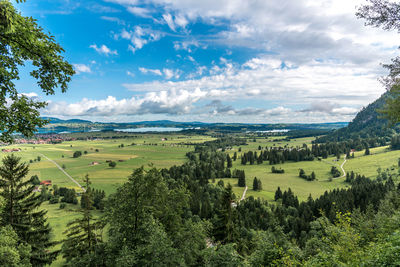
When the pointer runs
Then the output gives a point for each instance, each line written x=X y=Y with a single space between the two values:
x=213 y=61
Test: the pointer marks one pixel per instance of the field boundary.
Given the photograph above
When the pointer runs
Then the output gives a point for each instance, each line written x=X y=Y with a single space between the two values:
x=61 y=169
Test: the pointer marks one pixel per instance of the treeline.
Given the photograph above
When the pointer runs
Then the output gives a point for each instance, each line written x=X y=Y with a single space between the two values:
x=276 y=155
x=336 y=148
x=222 y=143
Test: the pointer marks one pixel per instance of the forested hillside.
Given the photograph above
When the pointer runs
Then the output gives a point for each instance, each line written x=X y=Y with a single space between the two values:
x=367 y=124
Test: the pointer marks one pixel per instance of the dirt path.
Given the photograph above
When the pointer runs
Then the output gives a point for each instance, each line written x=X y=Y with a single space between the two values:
x=341 y=166
x=61 y=169
x=244 y=194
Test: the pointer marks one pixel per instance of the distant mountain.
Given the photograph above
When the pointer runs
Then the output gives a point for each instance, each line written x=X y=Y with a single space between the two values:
x=77 y=125
x=56 y=120
x=367 y=123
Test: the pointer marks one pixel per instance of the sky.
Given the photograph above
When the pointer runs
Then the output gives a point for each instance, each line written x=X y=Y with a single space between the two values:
x=255 y=61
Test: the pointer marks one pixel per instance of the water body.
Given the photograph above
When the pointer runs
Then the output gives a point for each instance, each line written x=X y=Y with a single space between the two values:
x=149 y=129
x=273 y=131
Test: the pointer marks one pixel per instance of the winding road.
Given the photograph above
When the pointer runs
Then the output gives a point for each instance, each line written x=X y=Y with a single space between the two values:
x=61 y=169
x=341 y=166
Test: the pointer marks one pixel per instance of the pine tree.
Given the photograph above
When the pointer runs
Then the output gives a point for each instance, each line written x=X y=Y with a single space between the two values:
x=228 y=161
x=22 y=210
x=259 y=185
x=313 y=176
x=367 y=152
x=255 y=184
x=242 y=179
x=278 y=194
x=84 y=234
x=225 y=229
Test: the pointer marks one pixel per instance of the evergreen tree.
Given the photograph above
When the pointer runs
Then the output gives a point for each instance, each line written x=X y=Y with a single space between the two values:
x=255 y=184
x=22 y=210
x=259 y=185
x=224 y=227
x=84 y=235
x=234 y=156
x=367 y=152
x=313 y=176
x=242 y=179
x=278 y=194
x=228 y=161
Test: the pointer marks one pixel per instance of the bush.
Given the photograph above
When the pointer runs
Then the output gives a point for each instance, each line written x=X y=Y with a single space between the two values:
x=54 y=200
x=112 y=164
x=77 y=154
x=35 y=180
x=63 y=205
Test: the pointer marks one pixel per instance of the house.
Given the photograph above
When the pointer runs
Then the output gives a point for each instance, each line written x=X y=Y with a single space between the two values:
x=45 y=182
x=94 y=163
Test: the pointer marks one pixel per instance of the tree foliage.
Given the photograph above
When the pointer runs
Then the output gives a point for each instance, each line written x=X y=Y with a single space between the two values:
x=23 y=40
x=22 y=210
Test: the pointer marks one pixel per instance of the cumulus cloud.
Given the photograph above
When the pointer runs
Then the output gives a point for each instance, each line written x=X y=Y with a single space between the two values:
x=81 y=68
x=330 y=108
x=139 y=37
x=266 y=79
x=103 y=49
x=30 y=95
x=164 y=102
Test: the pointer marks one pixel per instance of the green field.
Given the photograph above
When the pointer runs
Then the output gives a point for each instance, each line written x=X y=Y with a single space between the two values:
x=154 y=150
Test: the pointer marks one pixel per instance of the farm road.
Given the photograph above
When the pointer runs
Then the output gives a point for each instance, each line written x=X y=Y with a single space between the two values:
x=61 y=169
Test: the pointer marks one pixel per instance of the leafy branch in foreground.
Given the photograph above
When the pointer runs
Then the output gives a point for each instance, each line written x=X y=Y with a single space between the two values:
x=22 y=40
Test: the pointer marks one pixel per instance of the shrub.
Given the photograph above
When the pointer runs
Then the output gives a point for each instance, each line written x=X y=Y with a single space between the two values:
x=77 y=154
x=112 y=164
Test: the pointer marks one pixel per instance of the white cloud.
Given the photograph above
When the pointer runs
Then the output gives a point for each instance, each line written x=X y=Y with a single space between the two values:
x=170 y=21
x=167 y=73
x=153 y=71
x=130 y=73
x=81 y=68
x=139 y=11
x=30 y=95
x=164 y=102
x=103 y=49
x=139 y=37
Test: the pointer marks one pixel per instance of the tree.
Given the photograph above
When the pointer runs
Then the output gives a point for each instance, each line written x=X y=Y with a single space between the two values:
x=141 y=203
x=84 y=235
x=22 y=40
x=112 y=164
x=385 y=14
x=224 y=226
x=12 y=251
x=255 y=184
x=228 y=161
x=367 y=152
x=35 y=180
x=278 y=194
x=22 y=210
x=77 y=154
